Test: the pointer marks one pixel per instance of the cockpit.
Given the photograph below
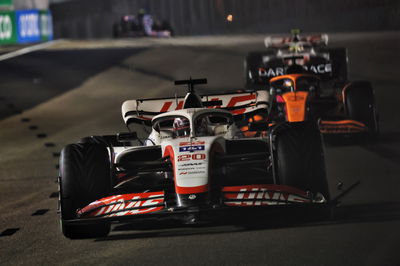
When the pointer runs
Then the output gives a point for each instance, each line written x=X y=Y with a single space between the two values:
x=212 y=124
x=198 y=124
x=294 y=82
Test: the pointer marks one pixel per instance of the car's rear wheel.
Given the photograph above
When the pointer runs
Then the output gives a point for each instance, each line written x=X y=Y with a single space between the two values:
x=299 y=159
x=360 y=106
x=338 y=58
x=84 y=178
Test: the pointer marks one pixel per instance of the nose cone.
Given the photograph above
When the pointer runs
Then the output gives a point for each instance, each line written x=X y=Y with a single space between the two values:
x=295 y=105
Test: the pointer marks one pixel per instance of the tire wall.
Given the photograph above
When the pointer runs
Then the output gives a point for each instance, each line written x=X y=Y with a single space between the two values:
x=94 y=18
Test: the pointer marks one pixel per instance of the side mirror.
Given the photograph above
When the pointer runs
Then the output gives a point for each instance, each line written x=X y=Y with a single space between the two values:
x=260 y=126
x=127 y=136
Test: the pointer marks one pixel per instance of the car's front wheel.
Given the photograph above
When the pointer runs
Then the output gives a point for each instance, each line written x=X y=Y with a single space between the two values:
x=299 y=160
x=84 y=178
x=360 y=106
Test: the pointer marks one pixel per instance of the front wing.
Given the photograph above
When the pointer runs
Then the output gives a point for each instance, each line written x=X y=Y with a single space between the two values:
x=148 y=205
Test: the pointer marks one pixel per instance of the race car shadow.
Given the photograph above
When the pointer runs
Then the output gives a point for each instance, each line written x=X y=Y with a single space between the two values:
x=344 y=140
x=347 y=214
x=367 y=213
x=389 y=137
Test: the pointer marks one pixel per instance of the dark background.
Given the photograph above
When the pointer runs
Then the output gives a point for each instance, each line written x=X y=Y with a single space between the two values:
x=94 y=18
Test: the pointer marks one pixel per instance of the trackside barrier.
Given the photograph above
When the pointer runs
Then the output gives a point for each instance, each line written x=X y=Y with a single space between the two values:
x=25 y=26
x=94 y=19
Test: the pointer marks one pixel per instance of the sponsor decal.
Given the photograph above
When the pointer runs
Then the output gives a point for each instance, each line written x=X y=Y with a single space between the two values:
x=28 y=26
x=191 y=148
x=46 y=25
x=186 y=168
x=188 y=143
x=120 y=205
x=319 y=69
x=240 y=100
x=271 y=72
x=188 y=157
x=231 y=101
x=167 y=105
x=191 y=164
x=8 y=32
x=263 y=195
x=279 y=71
x=196 y=172
x=6 y=27
x=24 y=26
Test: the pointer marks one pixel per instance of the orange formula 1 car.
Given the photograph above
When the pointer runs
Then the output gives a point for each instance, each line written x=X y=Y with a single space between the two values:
x=347 y=110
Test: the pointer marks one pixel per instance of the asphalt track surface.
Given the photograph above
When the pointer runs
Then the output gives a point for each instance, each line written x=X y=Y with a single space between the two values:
x=55 y=96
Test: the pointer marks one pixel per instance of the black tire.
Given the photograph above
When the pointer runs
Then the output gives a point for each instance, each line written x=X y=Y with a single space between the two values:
x=84 y=178
x=360 y=106
x=338 y=58
x=299 y=158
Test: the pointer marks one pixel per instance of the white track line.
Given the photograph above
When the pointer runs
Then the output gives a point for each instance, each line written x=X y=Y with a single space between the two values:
x=26 y=50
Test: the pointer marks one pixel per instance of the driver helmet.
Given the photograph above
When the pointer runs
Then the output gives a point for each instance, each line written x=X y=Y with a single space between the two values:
x=181 y=127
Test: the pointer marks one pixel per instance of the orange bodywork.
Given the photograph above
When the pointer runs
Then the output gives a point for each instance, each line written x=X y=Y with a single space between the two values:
x=342 y=126
x=293 y=77
x=295 y=103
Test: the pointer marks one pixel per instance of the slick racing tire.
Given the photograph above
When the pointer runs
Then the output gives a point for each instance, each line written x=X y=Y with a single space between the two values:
x=300 y=159
x=360 y=106
x=84 y=178
x=338 y=57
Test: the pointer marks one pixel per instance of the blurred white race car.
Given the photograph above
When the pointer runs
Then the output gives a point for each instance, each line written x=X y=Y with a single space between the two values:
x=311 y=52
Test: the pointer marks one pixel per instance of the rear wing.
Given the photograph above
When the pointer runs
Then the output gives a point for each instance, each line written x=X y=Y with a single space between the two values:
x=279 y=41
x=143 y=110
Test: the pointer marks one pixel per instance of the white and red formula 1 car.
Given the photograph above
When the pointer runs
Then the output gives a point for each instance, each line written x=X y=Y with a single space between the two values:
x=195 y=163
